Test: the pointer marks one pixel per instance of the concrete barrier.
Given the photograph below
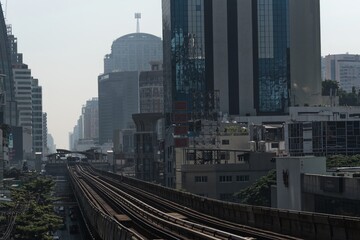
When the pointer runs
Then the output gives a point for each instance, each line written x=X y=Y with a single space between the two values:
x=305 y=225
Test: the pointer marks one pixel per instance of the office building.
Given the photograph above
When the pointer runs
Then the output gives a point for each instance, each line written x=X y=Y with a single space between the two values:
x=8 y=104
x=239 y=57
x=345 y=69
x=133 y=52
x=77 y=134
x=23 y=94
x=87 y=128
x=37 y=117
x=22 y=136
x=263 y=56
x=118 y=100
x=16 y=57
x=91 y=119
x=151 y=89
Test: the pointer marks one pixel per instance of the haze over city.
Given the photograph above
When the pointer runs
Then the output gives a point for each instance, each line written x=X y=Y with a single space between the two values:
x=64 y=44
x=179 y=119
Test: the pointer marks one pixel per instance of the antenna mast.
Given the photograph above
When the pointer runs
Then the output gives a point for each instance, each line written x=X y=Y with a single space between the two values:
x=137 y=17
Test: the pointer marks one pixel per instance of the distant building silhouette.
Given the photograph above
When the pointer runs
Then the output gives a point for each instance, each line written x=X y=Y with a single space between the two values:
x=118 y=100
x=133 y=52
x=86 y=131
x=37 y=117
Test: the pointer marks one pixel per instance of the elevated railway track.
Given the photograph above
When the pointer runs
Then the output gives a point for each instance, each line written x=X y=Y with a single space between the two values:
x=138 y=214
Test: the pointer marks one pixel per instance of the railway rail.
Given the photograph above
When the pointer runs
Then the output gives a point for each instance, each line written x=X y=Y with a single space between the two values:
x=154 y=217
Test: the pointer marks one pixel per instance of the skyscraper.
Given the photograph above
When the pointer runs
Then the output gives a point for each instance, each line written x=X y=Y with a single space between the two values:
x=261 y=56
x=151 y=89
x=133 y=52
x=118 y=100
x=8 y=111
x=91 y=119
x=37 y=117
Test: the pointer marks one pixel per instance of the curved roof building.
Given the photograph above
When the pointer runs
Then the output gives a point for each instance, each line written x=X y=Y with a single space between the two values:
x=133 y=52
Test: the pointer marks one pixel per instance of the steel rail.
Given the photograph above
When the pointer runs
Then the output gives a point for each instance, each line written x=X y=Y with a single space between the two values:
x=199 y=230
x=100 y=205
x=197 y=216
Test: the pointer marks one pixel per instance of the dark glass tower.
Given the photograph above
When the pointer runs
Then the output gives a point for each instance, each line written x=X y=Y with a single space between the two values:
x=8 y=112
x=187 y=83
x=271 y=56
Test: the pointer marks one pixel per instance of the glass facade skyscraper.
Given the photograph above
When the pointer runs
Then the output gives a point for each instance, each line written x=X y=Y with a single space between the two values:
x=185 y=58
x=272 y=60
x=260 y=56
x=187 y=83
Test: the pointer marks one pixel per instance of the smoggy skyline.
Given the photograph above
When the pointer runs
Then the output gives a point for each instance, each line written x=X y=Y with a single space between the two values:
x=64 y=43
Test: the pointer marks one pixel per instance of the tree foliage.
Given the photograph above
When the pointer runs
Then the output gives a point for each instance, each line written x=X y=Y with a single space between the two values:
x=343 y=161
x=329 y=86
x=259 y=193
x=12 y=173
x=37 y=219
x=345 y=98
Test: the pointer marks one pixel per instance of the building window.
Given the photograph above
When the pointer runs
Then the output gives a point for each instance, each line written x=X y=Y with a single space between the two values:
x=224 y=155
x=274 y=145
x=242 y=178
x=225 y=142
x=200 y=178
x=225 y=178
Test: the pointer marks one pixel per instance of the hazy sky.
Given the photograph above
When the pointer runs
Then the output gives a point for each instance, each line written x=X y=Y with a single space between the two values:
x=64 y=43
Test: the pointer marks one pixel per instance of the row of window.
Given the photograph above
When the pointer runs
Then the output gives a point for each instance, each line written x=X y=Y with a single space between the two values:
x=225 y=178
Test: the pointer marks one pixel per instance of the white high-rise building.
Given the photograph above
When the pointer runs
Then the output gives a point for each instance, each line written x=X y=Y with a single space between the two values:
x=23 y=94
x=345 y=69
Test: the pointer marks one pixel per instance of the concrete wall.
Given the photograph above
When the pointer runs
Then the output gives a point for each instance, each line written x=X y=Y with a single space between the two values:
x=332 y=186
x=289 y=191
x=304 y=225
x=305 y=52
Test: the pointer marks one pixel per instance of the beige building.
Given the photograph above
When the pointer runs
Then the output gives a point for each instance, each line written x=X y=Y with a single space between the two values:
x=227 y=173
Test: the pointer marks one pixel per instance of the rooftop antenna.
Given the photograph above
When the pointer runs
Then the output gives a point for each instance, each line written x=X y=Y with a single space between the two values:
x=137 y=17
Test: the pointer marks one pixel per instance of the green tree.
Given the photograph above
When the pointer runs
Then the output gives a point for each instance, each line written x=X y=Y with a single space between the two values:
x=258 y=193
x=343 y=161
x=328 y=86
x=348 y=99
x=12 y=173
x=37 y=219
x=37 y=222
